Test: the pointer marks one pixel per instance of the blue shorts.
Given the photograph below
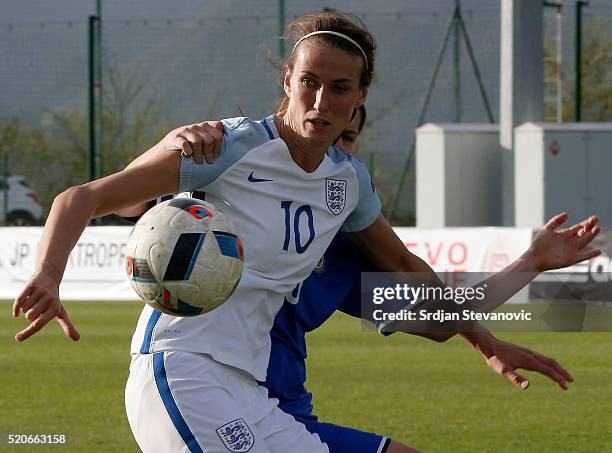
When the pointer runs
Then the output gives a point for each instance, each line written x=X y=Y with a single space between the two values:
x=342 y=439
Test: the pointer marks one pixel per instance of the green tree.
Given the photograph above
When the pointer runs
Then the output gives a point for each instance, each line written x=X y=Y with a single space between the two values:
x=596 y=75
x=596 y=72
x=53 y=152
x=34 y=154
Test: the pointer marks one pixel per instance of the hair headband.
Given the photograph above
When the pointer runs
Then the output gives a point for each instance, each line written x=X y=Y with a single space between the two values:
x=335 y=33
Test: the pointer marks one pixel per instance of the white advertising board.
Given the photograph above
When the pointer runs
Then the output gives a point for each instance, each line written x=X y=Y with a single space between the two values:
x=95 y=269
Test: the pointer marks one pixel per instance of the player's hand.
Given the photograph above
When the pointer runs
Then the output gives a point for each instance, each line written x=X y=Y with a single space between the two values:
x=202 y=141
x=40 y=302
x=505 y=358
x=554 y=247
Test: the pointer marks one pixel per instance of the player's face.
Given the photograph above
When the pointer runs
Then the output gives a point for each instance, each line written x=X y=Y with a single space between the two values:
x=346 y=142
x=323 y=90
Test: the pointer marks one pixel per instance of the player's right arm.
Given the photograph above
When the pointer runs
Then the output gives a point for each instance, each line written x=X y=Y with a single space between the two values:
x=70 y=213
x=202 y=141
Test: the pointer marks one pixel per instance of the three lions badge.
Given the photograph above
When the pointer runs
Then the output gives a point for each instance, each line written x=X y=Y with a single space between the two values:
x=236 y=436
x=335 y=195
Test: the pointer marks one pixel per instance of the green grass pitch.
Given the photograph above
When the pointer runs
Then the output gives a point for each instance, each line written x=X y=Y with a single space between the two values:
x=436 y=397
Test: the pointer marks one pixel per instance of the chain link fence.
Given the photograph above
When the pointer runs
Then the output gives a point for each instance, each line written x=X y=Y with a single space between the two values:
x=164 y=65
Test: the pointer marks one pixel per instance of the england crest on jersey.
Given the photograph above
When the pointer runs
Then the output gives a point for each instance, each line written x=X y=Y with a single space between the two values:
x=335 y=195
x=236 y=436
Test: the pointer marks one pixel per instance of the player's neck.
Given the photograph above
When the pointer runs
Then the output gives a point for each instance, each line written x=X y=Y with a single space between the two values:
x=303 y=153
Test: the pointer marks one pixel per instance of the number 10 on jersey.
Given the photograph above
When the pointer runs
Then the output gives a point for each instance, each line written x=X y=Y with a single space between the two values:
x=298 y=213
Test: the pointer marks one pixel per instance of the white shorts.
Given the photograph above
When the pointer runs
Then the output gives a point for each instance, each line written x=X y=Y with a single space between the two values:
x=186 y=402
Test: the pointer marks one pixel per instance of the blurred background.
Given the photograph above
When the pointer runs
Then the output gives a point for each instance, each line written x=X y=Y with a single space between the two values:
x=82 y=97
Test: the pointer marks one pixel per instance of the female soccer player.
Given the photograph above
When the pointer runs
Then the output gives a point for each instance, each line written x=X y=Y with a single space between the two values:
x=193 y=381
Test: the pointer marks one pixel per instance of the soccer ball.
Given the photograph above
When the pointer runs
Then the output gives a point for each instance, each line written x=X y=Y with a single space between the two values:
x=184 y=257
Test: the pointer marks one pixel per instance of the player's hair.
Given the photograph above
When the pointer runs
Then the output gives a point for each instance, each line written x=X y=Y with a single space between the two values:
x=346 y=24
x=362 y=120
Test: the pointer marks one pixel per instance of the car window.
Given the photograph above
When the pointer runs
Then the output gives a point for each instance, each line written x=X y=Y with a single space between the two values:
x=23 y=183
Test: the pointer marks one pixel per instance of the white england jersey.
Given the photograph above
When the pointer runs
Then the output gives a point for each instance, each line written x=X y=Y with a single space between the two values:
x=286 y=218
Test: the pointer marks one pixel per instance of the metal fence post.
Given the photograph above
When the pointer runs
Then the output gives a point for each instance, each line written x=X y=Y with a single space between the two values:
x=578 y=107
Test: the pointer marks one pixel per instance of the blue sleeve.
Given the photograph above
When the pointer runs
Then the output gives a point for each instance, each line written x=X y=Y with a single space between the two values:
x=240 y=135
x=368 y=207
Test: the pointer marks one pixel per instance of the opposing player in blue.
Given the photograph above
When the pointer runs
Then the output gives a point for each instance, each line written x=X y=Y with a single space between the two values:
x=195 y=380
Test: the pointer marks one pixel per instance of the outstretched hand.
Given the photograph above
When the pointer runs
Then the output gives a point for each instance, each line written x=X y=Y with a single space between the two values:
x=505 y=358
x=554 y=247
x=40 y=303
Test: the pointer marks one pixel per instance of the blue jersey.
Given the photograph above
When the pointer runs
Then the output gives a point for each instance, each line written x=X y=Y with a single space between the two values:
x=334 y=285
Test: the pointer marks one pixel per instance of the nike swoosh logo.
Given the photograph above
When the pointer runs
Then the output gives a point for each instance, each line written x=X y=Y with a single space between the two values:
x=254 y=179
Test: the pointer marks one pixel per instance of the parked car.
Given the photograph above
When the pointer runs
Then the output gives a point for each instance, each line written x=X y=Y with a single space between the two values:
x=23 y=206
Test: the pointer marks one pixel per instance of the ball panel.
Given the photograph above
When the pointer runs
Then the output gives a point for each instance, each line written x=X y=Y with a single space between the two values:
x=228 y=243
x=184 y=256
x=184 y=203
x=169 y=302
x=141 y=271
